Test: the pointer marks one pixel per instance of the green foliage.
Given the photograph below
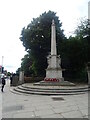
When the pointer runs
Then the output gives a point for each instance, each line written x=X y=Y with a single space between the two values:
x=8 y=74
x=18 y=71
x=83 y=32
x=26 y=65
x=74 y=56
x=76 y=53
x=82 y=29
x=36 y=38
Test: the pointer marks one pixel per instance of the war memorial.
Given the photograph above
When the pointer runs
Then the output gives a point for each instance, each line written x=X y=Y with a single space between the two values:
x=53 y=83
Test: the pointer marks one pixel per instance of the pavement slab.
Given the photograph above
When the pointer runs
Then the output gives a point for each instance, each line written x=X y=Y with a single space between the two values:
x=24 y=114
x=73 y=114
x=39 y=106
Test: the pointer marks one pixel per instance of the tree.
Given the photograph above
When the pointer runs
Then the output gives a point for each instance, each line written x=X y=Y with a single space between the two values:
x=26 y=65
x=8 y=74
x=18 y=71
x=75 y=52
x=36 y=38
x=83 y=33
x=83 y=29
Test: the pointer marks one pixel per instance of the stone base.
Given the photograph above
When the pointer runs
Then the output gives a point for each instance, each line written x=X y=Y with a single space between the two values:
x=54 y=83
x=53 y=73
x=20 y=82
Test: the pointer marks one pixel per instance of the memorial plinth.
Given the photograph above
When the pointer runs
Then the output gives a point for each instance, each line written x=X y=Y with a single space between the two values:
x=53 y=71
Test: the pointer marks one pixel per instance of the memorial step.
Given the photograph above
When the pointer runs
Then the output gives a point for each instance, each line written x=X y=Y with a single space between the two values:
x=46 y=93
x=54 y=87
x=49 y=91
x=53 y=90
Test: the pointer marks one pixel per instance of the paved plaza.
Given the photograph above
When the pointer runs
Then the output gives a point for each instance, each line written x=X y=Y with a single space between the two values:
x=39 y=106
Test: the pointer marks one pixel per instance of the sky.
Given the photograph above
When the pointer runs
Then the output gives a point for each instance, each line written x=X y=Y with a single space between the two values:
x=16 y=14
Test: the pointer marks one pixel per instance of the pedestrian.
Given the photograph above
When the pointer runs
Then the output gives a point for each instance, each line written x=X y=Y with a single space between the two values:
x=11 y=77
x=3 y=83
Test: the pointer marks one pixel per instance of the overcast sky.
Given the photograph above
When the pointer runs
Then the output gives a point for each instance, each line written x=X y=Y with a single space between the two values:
x=15 y=14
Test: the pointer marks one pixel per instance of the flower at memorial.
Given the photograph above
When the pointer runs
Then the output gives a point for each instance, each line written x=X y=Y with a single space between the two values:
x=51 y=79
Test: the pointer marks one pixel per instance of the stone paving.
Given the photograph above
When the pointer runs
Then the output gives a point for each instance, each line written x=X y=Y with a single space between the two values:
x=38 y=106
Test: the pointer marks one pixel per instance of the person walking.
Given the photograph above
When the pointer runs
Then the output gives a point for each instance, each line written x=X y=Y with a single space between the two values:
x=3 y=83
x=11 y=78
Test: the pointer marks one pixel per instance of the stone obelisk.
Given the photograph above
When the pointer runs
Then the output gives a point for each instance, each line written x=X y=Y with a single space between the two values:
x=53 y=71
